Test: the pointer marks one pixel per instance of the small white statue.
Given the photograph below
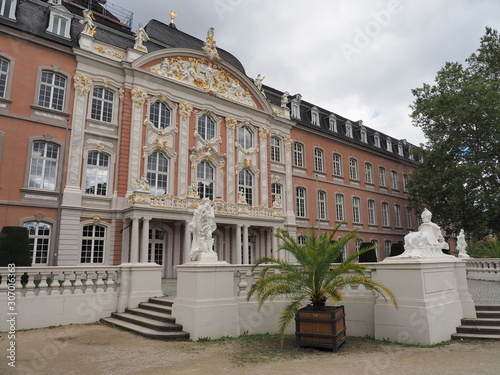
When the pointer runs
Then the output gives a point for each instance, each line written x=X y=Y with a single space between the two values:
x=202 y=227
x=241 y=197
x=210 y=47
x=284 y=99
x=140 y=38
x=88 y=22
x=258 y=81
x=142 y=184
x=462 y=245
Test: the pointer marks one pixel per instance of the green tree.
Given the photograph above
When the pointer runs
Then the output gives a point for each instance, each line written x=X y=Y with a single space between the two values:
x=459 y=178
x=314 y=276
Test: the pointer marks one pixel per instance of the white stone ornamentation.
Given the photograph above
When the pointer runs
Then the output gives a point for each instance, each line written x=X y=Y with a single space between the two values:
x=88 y=23
x=201 y=227
x=140 y=38
x=462 y=245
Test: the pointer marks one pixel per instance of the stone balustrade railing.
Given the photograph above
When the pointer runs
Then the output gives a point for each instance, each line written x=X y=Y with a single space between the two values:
x=483 y=268
x=221 y=207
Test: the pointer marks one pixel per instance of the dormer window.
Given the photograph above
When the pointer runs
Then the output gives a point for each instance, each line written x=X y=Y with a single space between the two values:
x=410 y=153
x=363 y=135
x=315 y=116
x=332 y=123
x=376 y=140
x=400 y=150
x=348 y=129
x=296 y=106
x=389 y=145
x=8 y=8
x=60 y=21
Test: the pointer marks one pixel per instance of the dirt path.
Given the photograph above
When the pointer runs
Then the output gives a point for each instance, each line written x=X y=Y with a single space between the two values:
x=99 y=349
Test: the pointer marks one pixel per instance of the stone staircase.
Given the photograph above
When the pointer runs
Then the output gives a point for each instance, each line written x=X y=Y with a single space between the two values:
x=152 y=319
x=485 y=326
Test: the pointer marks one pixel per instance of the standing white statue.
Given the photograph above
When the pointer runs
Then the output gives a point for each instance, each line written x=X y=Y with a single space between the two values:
x=140 y=38
x=88 y=22
x=428 y=242
x=202 y=227
x=462 y=245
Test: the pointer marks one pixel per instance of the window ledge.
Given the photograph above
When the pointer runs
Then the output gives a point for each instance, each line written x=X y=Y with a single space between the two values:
x=48 y=113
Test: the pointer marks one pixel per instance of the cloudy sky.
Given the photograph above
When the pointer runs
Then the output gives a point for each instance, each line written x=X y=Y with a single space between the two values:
x=357 y=58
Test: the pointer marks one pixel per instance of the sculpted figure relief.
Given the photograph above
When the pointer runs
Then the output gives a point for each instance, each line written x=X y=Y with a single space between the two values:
x=202 y=227
x=462 y=245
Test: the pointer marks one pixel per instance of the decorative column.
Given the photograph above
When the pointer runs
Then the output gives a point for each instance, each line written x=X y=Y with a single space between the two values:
x=264 y=189
x=288 y=208
x=182 y=184
x=238 y=244
x=139 y=97
x=134 y=242
x=230 y=162
x=245 y=244
x=126 y=241
x=171 y=271
x=227 y=243
x=145 y=241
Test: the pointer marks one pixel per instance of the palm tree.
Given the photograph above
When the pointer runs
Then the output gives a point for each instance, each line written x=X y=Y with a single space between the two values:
x=314 y=276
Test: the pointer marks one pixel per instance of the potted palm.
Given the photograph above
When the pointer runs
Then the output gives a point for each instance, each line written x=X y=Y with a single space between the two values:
x=314 y=277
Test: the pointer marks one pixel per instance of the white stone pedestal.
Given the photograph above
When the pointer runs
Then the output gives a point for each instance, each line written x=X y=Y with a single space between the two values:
x=205 y=304
x=432 y=296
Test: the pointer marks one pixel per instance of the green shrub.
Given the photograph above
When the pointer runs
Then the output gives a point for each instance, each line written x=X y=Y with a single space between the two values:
x=15 y=247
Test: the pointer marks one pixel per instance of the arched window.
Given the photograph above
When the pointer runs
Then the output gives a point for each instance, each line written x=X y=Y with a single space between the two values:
x=353 y=169
x=97 y=173
x=39 y=237
x=93 y=241
x=319 y=162
x=321 y=205
x=339 y=207
x=356 y=210
x=371 y=212
x=205 y=174
x=368 y=173
x=157 y=173
x=385 y=214
x=337 y=165
x=4 y=75
x=52 y=91
x=245 y=137
x=298 y=154
x=206 y=127
x=159 y=115
x=43 y=167
x=300 y=198
x=245 y=185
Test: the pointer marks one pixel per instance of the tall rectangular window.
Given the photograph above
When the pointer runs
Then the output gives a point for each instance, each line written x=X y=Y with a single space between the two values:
x=298 y=154
x=397 y=216
x=275 y=149
x=353 y=169
x=276 y=194
x=43 y=168
x=245 y=185
x=409 y=218
x=59 y=25
x=387 y=247
x=337 y=165
x=394 y=180
x=371 y=212
x=102 y=104
x=7 y=8
x=159 y=115
x=157 y=173
x=93 y=237
x=39 y=239
x=4 y=74
x=385 y=214
x=52 y=89
x=96 y=176
x=368 y=173
x=206 y=127
x=318 y=160
x=206 y=179
x=321 y=205
x=300 y=196
x=155 y=246
x=381 y=177
x=405 y=182
x=356 y=210
x=339 y=207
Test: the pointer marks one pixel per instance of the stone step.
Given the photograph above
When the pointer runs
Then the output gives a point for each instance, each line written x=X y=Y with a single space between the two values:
x=480 y=322
x=147 y=332
x=488 y=314
x=147 y=322
x=474 y=336
x=488 y=308
x=156 y=307
x=151 y=314
x=162 y=301
x=490 y=330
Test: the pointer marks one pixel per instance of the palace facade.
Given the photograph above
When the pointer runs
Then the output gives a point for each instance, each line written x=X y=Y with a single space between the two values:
x=110 y=137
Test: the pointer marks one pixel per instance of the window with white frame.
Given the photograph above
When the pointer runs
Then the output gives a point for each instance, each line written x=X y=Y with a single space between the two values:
x=376 y=140
x=400 y=149
x=59 y=24
x=298 y=154
x=394 y=180
x=155 y=246
x=321 y=205
x=353 y=169
x=387 y=247
x=159 y=115
x=319 y=160
x=157 y=173
x=315 y=116
x=337 y=165
x=245 y=185
x=301 y=240
x=409 y=217
x=8 y=8
x=4 y=75
x=43 y=166
x=348 y=129
x=371 y=212
x=368 y=173
x=405 y=182
x=385 y=214
x=389 y=145
x=339 y=207
x=97 y=173
x=245 y=137
x=206 y=180
x=275 y=149
x=381 y=177
x=300 y=198
x=102 y=104
x=206 y=127
x=375 y=245
x=295 y=104
x=332 y=123
x=397 y=216
x=276 y=194
x=39 y=239
x=93 y=241
x=52 y=91
x=356 y=210
x=364 y=137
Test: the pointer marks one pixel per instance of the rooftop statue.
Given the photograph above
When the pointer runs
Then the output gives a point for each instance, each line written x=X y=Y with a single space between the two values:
x=428 y=242
x=210 y=47
x=88 y=22
x=140 y=38
x=201 y=227
x=462 y=245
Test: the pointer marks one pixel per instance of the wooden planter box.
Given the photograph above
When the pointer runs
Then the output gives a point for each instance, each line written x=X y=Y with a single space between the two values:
x=320 y=329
